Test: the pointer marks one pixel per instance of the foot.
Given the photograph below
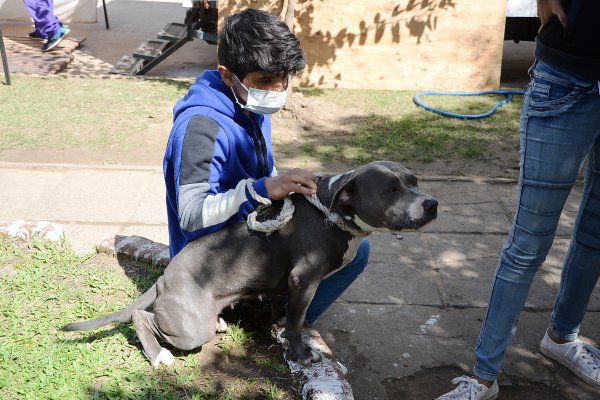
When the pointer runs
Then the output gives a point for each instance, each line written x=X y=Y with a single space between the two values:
x=165 y=357
x=36 y=35
x=580 y=357
x=56 y=39
x=221 y=325
x=471 y=389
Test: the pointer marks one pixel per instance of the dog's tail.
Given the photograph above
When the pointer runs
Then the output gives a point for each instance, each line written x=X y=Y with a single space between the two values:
x=141 y=303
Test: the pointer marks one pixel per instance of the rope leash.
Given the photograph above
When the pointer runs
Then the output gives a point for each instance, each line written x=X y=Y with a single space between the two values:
x=286 y=213
x=271 y=225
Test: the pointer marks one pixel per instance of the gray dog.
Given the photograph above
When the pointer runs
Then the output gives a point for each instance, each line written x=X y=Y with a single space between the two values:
x=218 y=269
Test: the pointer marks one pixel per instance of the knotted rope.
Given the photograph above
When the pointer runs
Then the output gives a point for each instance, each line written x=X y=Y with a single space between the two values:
x=286 y=213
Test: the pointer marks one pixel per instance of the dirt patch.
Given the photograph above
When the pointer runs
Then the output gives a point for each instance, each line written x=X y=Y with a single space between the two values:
x=431 y=382
x=305 y=121
x=312 y=119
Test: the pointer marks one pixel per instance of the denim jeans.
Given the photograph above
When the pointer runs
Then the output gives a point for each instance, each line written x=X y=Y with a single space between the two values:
x=333 y=286
x=559 y=127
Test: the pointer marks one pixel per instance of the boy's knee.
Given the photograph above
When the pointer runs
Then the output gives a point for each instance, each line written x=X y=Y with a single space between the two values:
x=360 y=261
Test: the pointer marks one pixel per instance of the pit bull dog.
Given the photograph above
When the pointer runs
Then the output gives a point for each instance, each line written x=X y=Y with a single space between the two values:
x=218 y=269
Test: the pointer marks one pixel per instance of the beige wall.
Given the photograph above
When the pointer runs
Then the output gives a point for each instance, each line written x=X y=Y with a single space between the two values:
x=382 y=44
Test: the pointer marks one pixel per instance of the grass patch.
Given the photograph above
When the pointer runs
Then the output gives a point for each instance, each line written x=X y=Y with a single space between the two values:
x=353 y=126
x=390 y=126
x=58 y=113
x=44 y=285
x=235 y=337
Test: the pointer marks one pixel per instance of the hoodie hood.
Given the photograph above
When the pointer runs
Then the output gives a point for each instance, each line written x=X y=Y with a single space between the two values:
x=209 y=90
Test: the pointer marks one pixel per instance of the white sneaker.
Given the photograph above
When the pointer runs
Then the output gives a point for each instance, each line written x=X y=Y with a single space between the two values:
x=470 y=389
x=580 y=357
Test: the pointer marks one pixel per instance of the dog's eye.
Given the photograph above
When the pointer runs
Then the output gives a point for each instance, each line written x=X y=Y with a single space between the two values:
x=394 y=189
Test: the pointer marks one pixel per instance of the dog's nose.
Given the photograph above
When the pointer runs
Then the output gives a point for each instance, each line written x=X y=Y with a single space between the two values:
x=430 y=207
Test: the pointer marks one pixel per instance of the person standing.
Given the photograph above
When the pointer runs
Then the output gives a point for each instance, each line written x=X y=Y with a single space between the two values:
x=47 y=25
x=560 y=130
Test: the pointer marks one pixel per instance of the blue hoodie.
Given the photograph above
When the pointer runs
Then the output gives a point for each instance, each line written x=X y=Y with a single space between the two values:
x=213 y=150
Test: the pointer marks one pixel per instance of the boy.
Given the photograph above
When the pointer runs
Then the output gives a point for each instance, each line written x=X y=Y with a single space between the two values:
x=221 y=141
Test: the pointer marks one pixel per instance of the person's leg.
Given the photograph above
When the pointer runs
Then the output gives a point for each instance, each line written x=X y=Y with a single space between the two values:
x=332 y=287
x=582 y=264
x=580 y=274
x=555 y=138
x=42 y=12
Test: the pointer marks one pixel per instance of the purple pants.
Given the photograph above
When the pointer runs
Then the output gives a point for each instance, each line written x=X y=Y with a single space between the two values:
x=42 y=12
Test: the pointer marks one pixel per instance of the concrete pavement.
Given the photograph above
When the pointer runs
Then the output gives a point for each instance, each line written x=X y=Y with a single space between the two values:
x=412 y=316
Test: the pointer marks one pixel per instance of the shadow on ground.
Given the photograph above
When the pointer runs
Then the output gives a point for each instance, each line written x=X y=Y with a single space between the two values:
x=419 y=386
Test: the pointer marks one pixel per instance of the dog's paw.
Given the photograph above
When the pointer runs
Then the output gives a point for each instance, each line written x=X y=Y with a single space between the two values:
x=312 y=355
x=221 y=325
x=164 y=357
x=306 y=356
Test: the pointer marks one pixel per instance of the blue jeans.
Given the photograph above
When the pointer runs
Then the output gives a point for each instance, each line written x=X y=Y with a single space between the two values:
x=333 y=287
x=559 y=127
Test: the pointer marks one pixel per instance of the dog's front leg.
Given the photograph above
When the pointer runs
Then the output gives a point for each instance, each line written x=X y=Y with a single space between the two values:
x=302 y=286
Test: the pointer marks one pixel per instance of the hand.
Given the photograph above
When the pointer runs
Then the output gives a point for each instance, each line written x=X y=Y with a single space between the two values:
x=296 y=180
x=549 y=8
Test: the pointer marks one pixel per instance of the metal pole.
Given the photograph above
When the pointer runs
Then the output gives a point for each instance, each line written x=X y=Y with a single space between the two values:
x=4 y=59
x=105 y=14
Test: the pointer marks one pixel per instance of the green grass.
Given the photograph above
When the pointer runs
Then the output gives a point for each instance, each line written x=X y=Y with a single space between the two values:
x=56 y=112
x=392 y=126
x=235 y=337
x=44 y=285
x=387 y=124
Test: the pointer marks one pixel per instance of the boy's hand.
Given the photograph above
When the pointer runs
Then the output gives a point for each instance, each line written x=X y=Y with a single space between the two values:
x=296 y=180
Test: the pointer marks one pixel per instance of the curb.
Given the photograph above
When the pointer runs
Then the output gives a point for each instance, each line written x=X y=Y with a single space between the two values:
x=31 y=230
x=137 y=248
x=324 y=380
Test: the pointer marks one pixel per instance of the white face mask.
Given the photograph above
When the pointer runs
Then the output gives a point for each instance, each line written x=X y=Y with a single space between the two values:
x=262 y=101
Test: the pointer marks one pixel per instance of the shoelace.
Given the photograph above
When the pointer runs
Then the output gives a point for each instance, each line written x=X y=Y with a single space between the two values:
x=467 y=384
x=588 y=353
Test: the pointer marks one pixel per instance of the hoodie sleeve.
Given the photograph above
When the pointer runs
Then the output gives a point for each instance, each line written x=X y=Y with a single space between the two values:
x=203 y=206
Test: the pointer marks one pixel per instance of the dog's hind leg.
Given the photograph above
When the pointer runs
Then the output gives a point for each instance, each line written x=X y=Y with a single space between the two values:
x=146 y=330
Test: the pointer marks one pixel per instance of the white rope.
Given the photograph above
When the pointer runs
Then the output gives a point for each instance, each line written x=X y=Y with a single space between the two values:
x=271 y=225
x=286 y=213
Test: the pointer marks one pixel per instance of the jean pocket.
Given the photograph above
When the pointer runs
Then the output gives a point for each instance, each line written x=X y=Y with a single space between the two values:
x=545 y=95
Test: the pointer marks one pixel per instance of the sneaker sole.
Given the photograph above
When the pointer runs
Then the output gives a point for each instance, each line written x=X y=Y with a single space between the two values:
x=58 y=41
x=494 y=396
x=553 y=356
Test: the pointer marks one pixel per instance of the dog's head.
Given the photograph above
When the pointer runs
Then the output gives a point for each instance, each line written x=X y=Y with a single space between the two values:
x=381 y=196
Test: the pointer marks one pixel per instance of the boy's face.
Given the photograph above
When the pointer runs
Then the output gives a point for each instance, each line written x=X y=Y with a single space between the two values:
x=258 y=80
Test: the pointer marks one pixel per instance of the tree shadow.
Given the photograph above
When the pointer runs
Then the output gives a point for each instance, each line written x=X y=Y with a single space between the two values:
x=322 y=43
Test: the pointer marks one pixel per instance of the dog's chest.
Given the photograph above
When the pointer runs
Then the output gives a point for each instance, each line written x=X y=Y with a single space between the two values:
x=349 y=254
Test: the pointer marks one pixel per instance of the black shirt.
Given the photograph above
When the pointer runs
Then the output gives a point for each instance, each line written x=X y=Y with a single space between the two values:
x=576 y=47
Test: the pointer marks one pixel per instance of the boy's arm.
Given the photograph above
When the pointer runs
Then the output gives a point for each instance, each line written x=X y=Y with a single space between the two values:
x=202 y=205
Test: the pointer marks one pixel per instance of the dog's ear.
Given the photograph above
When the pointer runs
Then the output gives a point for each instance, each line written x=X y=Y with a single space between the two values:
x=343 y=197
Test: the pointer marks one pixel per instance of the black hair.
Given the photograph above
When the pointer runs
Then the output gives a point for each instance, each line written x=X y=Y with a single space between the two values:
x=255 y=40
